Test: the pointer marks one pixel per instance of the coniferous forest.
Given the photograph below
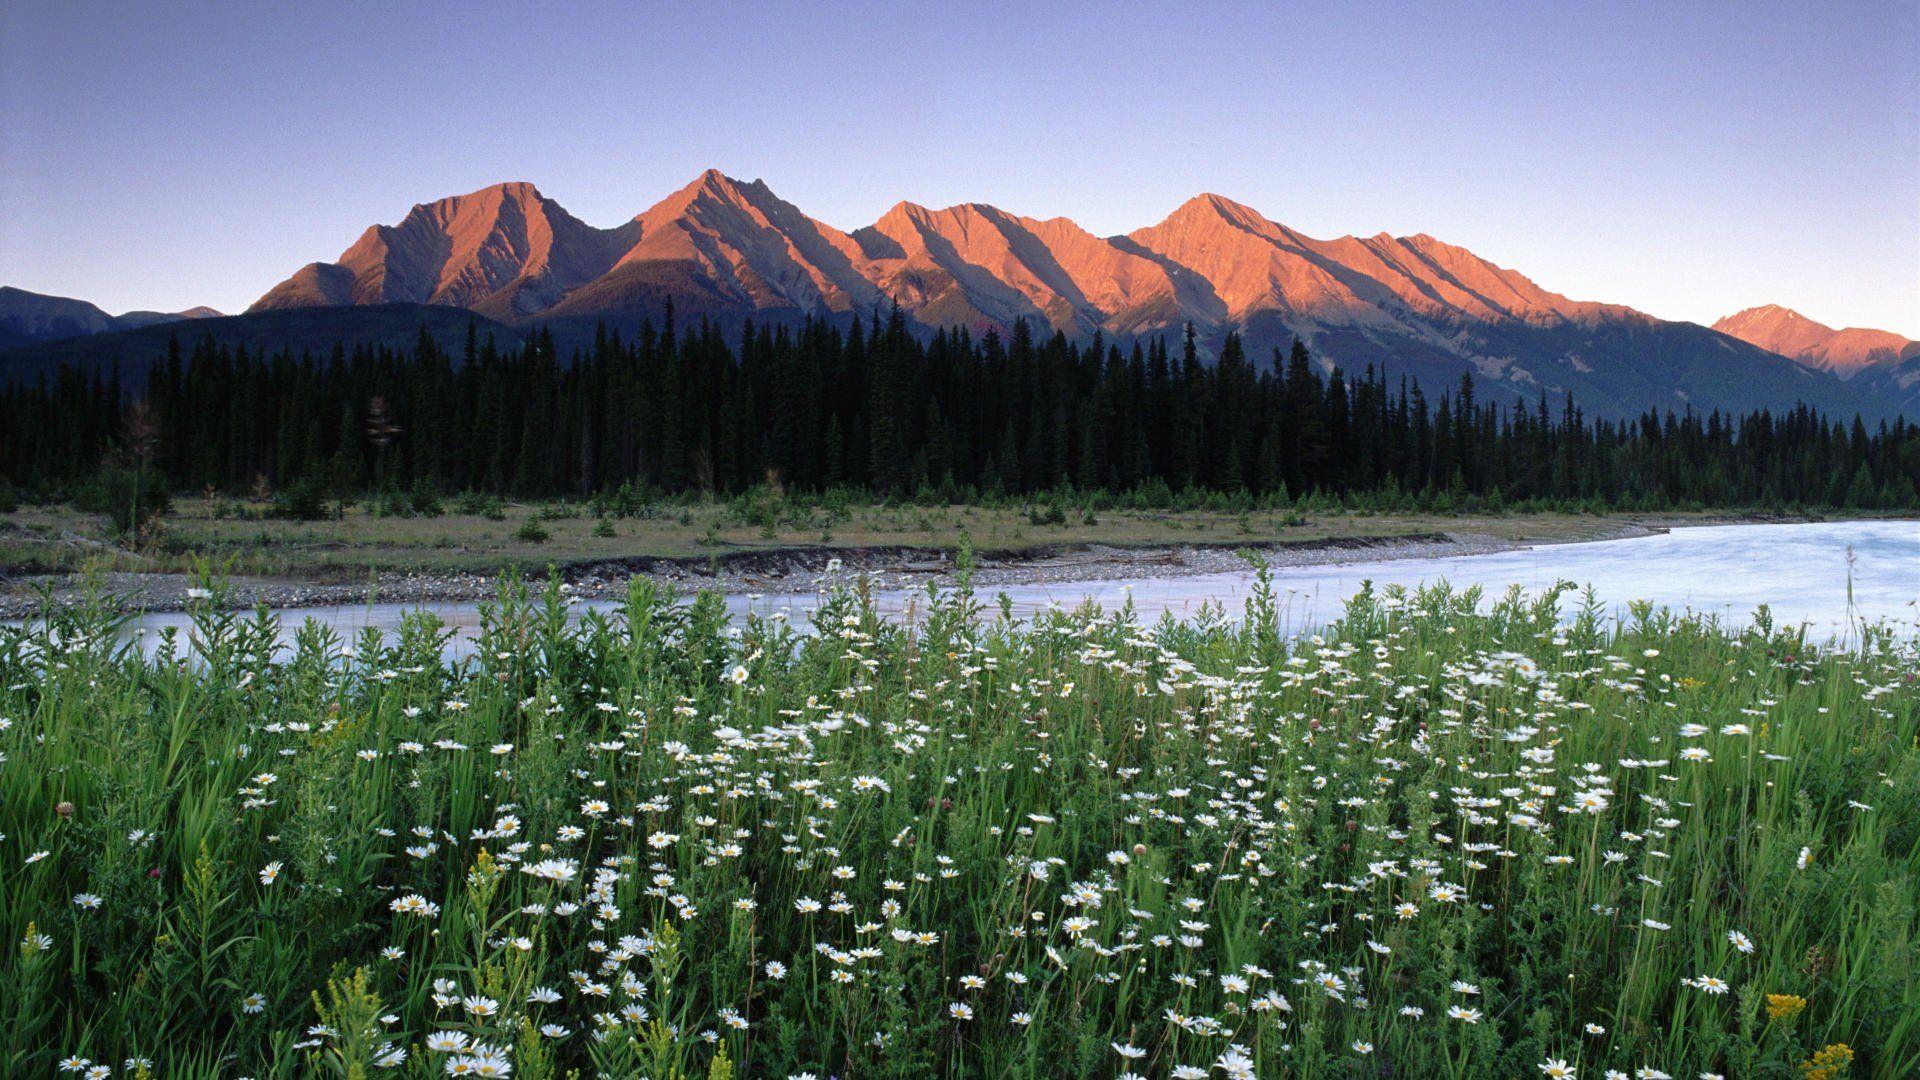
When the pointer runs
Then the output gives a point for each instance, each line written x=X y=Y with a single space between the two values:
x=871 y=408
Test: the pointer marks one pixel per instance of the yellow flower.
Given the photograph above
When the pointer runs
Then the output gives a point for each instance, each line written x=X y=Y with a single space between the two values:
x=1784 y=1006
x=1828 y=1062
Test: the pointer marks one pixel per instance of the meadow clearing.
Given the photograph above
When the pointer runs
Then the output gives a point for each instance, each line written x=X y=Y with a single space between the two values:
x=1451 y=836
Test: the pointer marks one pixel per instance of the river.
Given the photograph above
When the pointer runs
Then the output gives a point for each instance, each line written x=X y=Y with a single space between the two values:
x=1802 y=572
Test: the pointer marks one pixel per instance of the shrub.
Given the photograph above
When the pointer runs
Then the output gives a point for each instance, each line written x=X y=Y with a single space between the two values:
x=393 y=504
x=133 y=499
x=532 y=531
x=481 y=504
x=303 y=500
x=424 y=498
x=1050 y=514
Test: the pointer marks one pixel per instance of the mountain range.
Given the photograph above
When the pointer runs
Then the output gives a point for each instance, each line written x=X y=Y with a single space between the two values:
x=27 y=317
x=730 y=251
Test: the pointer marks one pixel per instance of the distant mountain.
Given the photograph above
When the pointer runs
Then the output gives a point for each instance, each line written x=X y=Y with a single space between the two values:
x=729 y=250
x=135 y=319
x=303 y=330
x=28 y=317
x=1791 y=334
x=1878 y=365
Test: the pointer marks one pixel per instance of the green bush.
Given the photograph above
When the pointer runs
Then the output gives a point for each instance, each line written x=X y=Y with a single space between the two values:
x=532 y=531
x=132 y=498
x=303 y=500
x=393 y=503
x=1049 y=514
x=424 y=498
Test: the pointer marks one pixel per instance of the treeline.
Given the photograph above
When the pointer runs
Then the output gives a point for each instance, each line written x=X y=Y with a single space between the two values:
x=873 y=408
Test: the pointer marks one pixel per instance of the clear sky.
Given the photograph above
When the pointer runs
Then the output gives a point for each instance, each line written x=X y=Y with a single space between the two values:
x=1687 y=158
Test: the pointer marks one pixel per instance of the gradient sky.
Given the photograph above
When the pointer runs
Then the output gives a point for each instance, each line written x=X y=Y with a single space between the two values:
x=1689 y=159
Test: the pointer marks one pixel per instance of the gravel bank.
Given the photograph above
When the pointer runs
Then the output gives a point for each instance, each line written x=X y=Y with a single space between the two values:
x=777 y=571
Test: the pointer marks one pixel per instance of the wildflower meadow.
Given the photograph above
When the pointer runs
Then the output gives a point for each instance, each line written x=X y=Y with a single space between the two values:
x=1447 y=836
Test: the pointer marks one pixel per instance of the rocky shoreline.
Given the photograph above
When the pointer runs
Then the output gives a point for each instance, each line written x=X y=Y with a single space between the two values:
x=772 y=571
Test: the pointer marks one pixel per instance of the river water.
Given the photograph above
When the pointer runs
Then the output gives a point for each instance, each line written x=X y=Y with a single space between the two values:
x=1801 y=572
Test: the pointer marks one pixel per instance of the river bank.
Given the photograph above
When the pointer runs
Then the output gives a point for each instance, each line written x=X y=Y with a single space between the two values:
x=800 y=568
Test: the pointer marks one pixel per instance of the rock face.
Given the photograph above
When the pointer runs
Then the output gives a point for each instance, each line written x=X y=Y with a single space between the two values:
x=1252 y=266
x=1844 y=352
x=982 y=267
x=719 y=244
x=504 y=251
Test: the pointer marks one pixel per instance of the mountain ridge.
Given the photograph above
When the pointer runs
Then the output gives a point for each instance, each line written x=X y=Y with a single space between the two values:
x=730 y=251
x=1877 y=364
x=27 y=318
x=1845 y=352
x=972 y=260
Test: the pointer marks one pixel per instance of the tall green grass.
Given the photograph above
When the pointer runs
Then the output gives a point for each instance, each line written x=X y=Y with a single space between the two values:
x=1446 y=837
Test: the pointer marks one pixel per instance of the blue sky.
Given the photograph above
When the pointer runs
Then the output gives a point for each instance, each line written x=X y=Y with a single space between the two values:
x=1689 y=159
